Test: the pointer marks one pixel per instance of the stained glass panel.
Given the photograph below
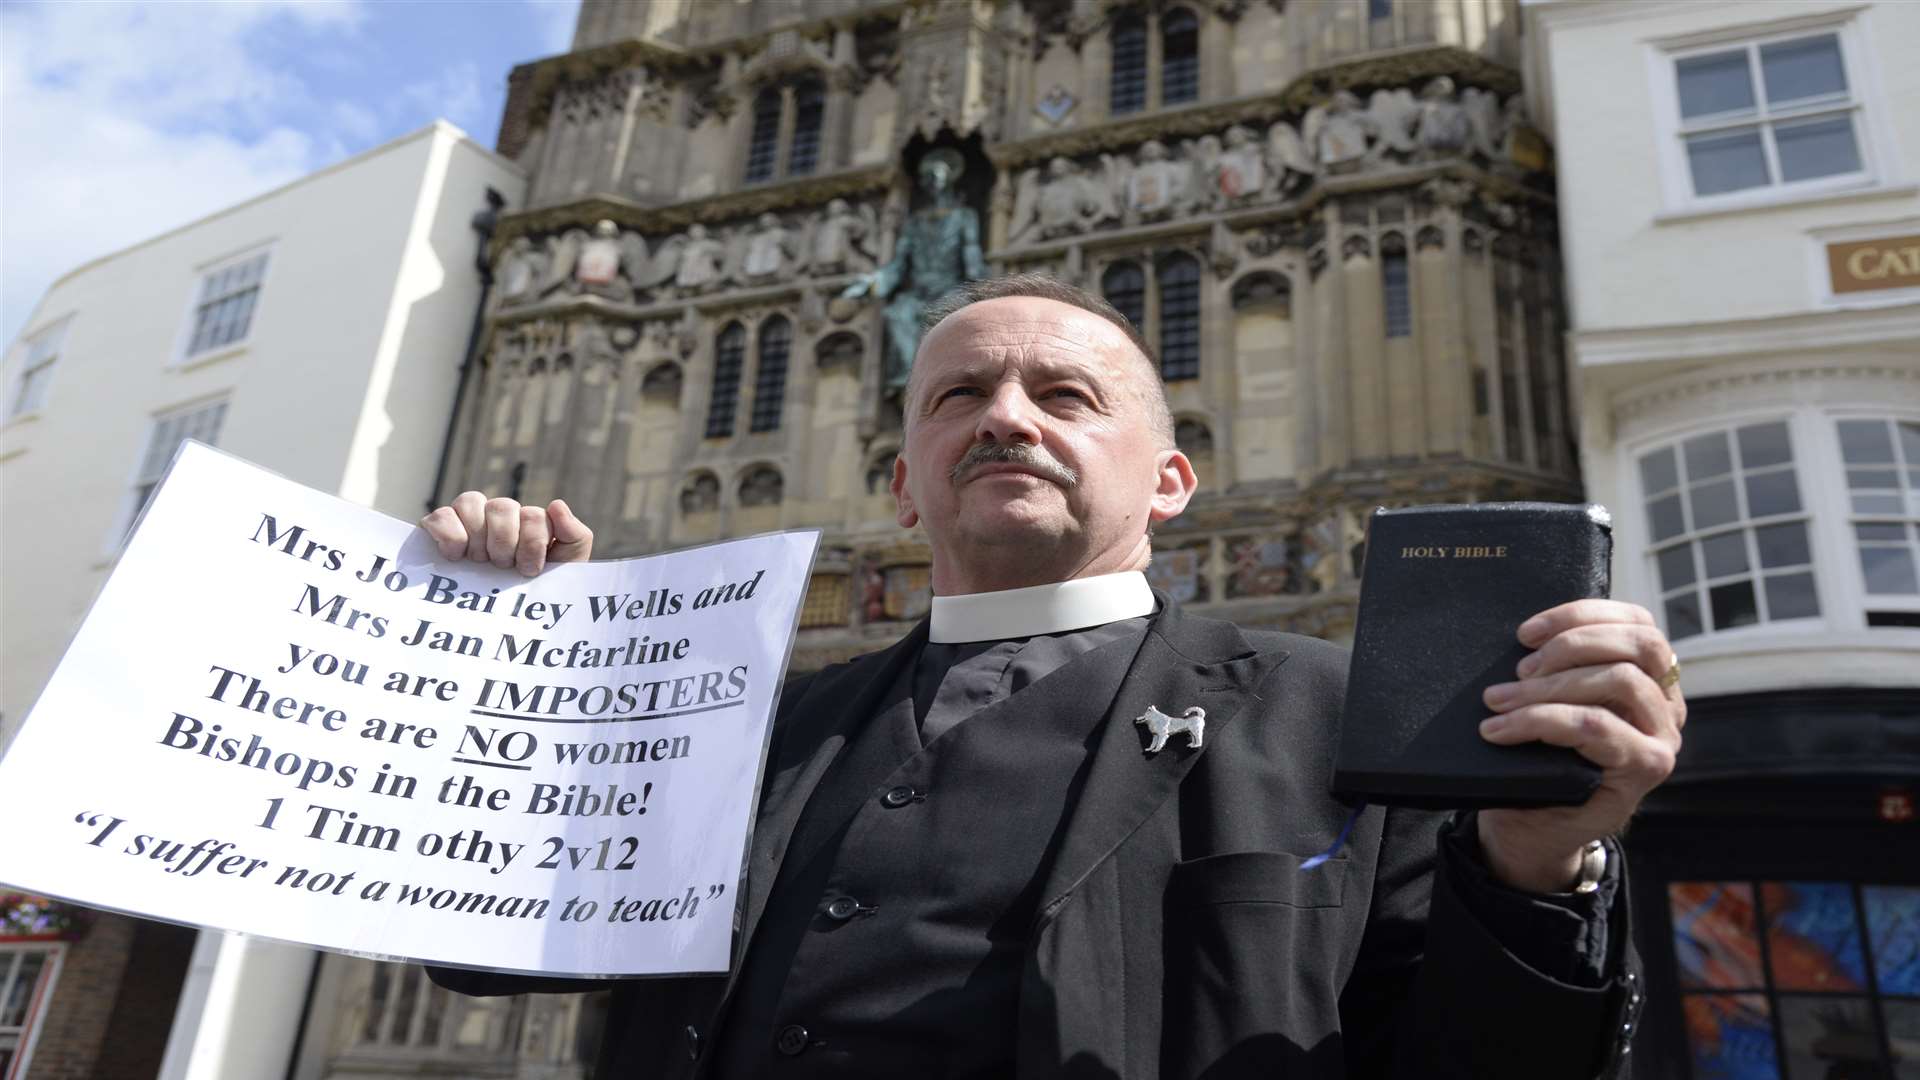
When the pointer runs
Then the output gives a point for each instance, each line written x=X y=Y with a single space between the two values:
x=1893 y=926
x=1903 y=1034
x=1714 y=935
x=1830 y=1036
x=1730 y=1037
x=1813 y=936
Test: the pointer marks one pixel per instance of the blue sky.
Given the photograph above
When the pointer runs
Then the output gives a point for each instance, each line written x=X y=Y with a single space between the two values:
x=119 y=121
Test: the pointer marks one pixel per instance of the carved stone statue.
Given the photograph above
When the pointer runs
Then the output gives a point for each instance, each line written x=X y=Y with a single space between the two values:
x=519 y=270
x=1065 y=203
x=700 y=261
x=1444 y=128
x=1242 y=170
x=1158 y=187
x=1337 y=131
x=842 y=240
x=771 y=246
x=1393 y=114
x=1289 y=159
x=604 y=257
x=938 y=249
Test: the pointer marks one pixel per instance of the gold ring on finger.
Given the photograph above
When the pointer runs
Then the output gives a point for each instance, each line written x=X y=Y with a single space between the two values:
x=1672 y=678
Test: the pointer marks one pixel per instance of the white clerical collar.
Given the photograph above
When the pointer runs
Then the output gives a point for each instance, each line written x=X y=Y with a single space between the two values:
x=1040 y=609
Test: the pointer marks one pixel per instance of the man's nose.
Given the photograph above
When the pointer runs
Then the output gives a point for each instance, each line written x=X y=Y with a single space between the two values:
x=1009 y=416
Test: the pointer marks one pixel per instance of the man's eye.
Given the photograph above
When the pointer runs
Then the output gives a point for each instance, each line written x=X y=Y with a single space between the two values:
x=1068 y=392
x=953 y=390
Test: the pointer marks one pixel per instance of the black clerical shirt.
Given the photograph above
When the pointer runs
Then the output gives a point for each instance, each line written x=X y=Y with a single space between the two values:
x=925 y=972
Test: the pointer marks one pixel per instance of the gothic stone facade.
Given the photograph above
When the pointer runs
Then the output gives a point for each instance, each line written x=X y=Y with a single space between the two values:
x=1332 y=218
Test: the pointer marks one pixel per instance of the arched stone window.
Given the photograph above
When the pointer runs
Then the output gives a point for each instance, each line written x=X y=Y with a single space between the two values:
x=809 y=110
x=1125 y=287
x=700 y=494
x=1263 y=322
x=880 y=472
x=1128 y=91
x=1396 y=286
x=1178 y=278
x=761 y=486
x=841 y=351
x=661 y=384
x=729 y=353
x=770 y=374
x=1195 y=439
x=1263 y=290
x=1179 y=57
x=763 y=145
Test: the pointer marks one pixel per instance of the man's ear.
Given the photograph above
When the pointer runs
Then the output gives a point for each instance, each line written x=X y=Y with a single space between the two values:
x=1177 y=484
x=904 y=511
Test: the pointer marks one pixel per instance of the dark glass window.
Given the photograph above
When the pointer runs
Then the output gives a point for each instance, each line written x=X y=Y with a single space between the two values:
x=809 y=108
x=1379 y=9
x=1179 y=57
x=1179 y=281
x=225 y=311
x=1397 y=293
x=730 y=351
x=1797 y=978
x=1129 y=90
x=770 y=374
x=763 y=147
x=1728 y=530
x=1125 y=287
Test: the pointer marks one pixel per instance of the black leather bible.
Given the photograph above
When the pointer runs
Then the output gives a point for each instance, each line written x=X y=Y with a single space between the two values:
x=1443 y=592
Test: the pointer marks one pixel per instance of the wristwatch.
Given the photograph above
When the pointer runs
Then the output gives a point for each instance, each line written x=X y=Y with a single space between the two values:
x=1593 y=866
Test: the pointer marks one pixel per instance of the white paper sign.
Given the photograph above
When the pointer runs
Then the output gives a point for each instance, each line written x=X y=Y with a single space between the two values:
x=285 y=715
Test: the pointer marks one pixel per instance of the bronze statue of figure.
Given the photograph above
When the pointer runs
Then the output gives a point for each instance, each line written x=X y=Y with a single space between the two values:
x=938 y=249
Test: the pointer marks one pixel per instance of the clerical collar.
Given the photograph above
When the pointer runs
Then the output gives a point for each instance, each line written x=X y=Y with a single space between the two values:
x=1040 y=609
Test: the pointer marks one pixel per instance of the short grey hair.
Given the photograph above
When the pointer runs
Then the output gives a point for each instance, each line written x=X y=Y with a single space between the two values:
x=1153 y=391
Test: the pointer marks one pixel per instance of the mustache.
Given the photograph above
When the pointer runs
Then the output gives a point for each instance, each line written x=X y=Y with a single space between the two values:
x=1017 y=453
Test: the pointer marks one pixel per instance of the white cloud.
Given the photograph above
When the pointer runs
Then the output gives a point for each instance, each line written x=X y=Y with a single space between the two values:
x=122 y=121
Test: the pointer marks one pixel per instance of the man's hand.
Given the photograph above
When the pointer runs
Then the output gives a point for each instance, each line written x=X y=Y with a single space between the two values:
x=1592 y=684
x=504 y=533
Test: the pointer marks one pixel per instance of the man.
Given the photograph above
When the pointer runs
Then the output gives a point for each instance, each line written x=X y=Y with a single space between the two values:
x=966 y=863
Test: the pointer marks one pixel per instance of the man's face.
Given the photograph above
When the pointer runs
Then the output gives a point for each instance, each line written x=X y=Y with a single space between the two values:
x=1030 y=444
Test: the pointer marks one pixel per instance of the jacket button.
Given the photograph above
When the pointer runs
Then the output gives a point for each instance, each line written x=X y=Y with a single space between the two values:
x=791 y=1041
x=895 y=798
x=843 y=908
x=693 y=1043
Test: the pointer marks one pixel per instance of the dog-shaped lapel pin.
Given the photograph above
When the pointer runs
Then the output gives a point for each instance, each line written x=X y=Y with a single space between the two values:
x=1160 y=726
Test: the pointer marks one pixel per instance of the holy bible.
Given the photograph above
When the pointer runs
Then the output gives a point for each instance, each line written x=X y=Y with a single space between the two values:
x=1443 y=592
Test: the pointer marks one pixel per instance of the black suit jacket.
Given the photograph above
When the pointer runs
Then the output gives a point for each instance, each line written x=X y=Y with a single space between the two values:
x=1177 y=934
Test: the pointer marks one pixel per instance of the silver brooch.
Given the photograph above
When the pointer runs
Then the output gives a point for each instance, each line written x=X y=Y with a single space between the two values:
x=1160 y=726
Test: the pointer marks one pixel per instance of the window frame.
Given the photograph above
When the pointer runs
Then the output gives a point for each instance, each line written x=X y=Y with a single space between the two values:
x=37 y=1009
x=1819 y=473
x=183 y=353
x=770 y=385
x=731 y=385
x=135 y=500
x=784 y=92
x=53 y=337
x=1670 y=130
x=1152 y=267
x=1848 y=518
x=1772 y=988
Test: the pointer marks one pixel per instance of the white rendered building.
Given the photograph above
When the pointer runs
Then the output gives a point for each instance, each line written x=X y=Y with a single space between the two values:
x=1739 y=195
x=318 y=330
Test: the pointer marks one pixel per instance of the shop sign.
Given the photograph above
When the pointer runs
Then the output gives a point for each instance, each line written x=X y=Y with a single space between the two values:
x=1891 y=262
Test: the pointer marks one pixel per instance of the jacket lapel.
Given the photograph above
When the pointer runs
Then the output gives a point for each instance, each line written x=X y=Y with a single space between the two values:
x=1181 y=663
x=813 y=736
